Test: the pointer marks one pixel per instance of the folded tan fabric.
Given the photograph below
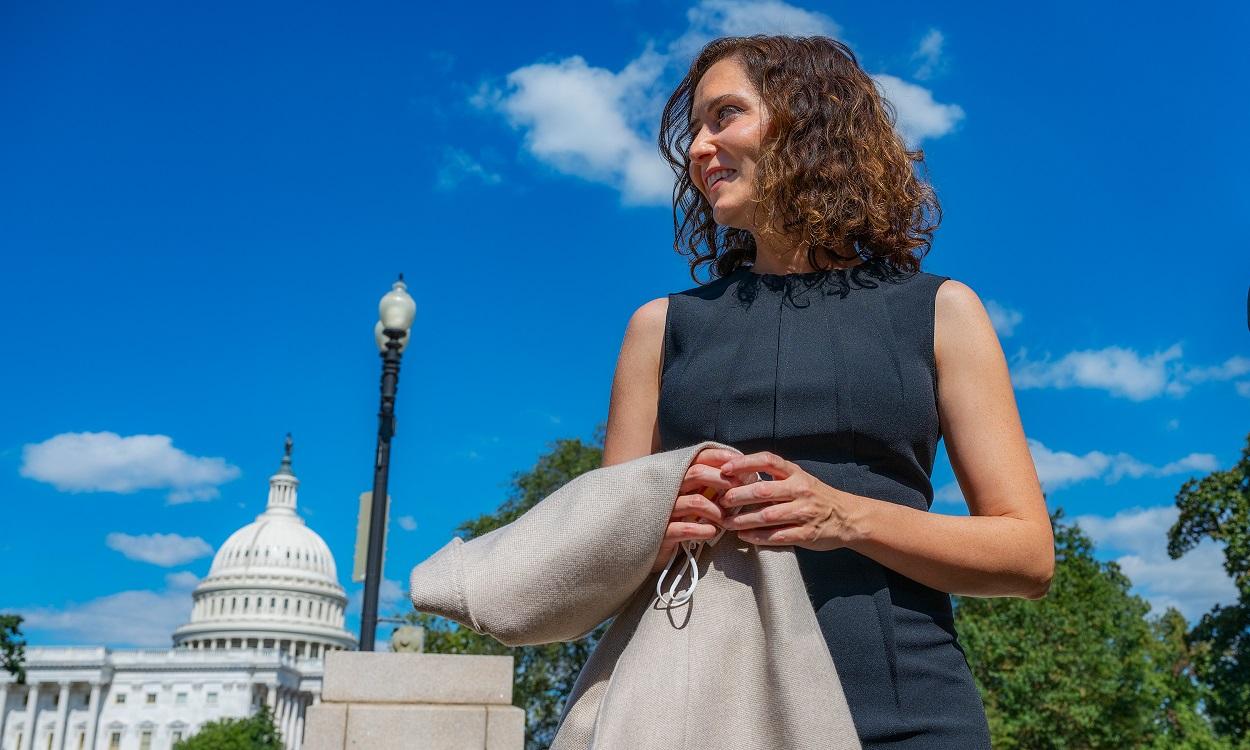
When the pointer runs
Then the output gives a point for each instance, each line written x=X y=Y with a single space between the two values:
x=742 y=664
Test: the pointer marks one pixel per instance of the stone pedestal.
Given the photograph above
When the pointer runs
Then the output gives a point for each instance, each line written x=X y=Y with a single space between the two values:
x=378 y=701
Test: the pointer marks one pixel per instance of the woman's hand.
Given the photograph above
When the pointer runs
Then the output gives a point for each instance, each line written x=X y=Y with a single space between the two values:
x=798 y=509
x=695 y=516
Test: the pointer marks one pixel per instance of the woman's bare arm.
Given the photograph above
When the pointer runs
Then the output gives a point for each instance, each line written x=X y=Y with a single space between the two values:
x=1006 y=546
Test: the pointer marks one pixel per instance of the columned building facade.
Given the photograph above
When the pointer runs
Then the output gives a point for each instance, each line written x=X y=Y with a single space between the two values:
x=261 y=622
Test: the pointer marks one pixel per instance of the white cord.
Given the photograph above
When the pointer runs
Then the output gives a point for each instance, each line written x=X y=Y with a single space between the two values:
x=693 y=548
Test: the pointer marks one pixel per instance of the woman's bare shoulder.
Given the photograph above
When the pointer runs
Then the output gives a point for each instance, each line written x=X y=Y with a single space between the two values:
x=633 y=429
x=960 y=320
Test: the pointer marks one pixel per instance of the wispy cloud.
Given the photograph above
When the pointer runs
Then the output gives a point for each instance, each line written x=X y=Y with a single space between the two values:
x=1233 y=367
x=166 y=550
x=108 y=462
x=714 y=18
x=1003 y=319
x=458 y=166
x=919 y=116
x=1192 y=584
x=929 y=54
x=599 y=124
x=390 y=593
x=127 y=618
x=574 y=119
x=407 y=523
x=1057 y=469
x=1122 y=372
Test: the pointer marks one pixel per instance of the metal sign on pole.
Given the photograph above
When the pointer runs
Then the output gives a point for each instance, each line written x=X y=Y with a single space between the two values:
x=359 y=562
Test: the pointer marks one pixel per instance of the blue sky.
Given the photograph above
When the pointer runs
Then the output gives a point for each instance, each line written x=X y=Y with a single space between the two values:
x=200 y=207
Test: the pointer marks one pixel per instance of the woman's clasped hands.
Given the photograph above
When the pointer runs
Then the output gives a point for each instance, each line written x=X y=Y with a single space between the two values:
x=793 y=508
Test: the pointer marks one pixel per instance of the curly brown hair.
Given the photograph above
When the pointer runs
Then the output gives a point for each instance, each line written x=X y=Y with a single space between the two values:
x=832 y=170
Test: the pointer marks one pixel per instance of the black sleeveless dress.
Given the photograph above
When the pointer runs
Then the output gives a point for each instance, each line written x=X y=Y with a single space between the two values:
x=834 y=370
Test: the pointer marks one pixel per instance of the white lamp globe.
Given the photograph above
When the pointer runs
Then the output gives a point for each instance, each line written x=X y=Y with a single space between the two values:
x=397 y=310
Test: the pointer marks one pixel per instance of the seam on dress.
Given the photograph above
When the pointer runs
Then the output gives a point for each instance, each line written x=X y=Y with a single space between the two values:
x=931 y=353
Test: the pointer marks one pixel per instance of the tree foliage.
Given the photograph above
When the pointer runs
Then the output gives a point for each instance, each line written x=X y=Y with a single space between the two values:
x=1083 y=667
x=12 y=646
x=544 y=675
x=256 y=732
x=1217 y=507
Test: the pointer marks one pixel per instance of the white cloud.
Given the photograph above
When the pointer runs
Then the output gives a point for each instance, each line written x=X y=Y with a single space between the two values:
x=1122 y=372
x=407 y=523
x=390 y=593
x=1233 y=367
x=575 y=119
x=127 y=618
x=929 y=53
x=183 y=579
x=1057 y=469
x=1003 y=319
x=949 y=493
x=919 y=116
x=1243 y=388
x=166 y=550
x=715 y=18
x=458 y=166
x=599 y=124
x=1192 y=584
x=108 y=462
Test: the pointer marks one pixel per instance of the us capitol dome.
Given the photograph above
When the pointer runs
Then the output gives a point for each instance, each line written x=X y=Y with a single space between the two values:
x=273 y=584
x=261 y=622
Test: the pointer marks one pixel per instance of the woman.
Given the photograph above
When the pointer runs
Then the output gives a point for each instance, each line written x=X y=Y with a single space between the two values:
x=823 y=353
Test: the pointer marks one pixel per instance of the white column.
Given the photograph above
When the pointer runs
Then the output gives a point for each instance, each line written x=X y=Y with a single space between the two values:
x=93 y=716
x=290 y=722
x=301 y=705
x=62 y=713
x=280 y=719
x=32 y=714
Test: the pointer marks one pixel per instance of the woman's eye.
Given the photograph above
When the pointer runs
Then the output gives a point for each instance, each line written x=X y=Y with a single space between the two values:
x=720 y=113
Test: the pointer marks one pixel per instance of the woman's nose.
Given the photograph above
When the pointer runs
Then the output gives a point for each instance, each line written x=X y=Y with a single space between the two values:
x=701 y=148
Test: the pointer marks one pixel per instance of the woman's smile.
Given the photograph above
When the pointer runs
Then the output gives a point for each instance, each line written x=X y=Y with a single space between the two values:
x=720 y=176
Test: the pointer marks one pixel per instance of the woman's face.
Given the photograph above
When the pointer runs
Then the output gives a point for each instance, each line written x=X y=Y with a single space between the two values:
x=728 y=121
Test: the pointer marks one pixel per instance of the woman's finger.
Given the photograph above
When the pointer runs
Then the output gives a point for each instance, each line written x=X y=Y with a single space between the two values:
x=765 y=461
x=699 y=476
x=715 y=456
x=700 y=506
x=681 y=531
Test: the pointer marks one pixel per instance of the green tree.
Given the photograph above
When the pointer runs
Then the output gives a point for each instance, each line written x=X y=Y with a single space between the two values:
x=544 y=674
x=256 y=732
x=12 y=646
x=1082 y=667
x=1180 y=722
x=1217 y=507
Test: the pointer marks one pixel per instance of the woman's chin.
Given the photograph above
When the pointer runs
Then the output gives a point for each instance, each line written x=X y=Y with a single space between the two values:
x=724 y=216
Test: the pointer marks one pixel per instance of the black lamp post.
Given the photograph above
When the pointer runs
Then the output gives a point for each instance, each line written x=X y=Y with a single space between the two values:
x=395 y=312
